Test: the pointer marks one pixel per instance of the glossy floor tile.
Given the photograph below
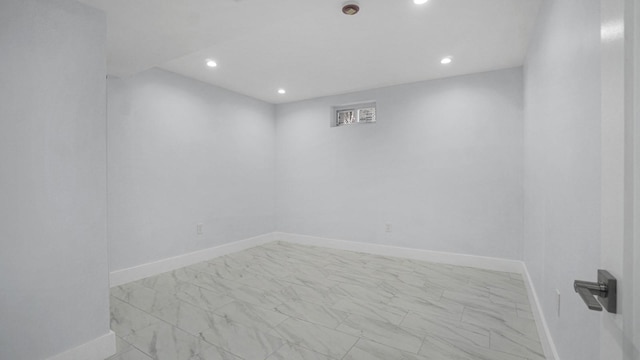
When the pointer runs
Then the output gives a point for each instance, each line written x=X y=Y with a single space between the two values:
x=286 y=301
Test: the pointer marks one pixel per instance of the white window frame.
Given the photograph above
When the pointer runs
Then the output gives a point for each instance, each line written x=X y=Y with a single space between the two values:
x=355 y=108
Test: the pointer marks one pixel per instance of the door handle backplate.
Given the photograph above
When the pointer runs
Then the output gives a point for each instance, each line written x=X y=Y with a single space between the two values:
x=605 y=292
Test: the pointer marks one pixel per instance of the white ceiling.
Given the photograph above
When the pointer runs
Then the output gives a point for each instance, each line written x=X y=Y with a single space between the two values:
x=311 y=49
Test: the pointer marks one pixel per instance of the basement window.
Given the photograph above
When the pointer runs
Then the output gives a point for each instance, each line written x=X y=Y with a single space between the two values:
x=360 y=113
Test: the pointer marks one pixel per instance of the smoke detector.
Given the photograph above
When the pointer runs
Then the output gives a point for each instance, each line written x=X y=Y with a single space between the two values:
x=350 y=9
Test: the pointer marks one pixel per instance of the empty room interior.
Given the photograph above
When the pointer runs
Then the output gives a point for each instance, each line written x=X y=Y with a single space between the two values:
x=318 y=180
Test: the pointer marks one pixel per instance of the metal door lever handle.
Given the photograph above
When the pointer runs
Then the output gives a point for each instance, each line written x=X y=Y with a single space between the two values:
x=605 y=291
x=587 y=296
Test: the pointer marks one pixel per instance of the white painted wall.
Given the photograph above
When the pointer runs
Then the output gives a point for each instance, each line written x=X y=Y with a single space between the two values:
x=53 y=260
x=443 y=165
x=183 y=152
x=562 y=168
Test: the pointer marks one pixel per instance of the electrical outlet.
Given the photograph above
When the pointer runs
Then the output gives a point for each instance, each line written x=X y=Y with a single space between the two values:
x=387 y=227
x=199 y=229
x=558 y=302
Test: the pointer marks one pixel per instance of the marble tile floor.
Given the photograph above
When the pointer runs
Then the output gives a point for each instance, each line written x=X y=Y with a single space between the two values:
x=294 y=302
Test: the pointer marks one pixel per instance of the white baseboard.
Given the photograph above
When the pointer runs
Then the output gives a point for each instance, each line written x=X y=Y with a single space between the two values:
x=481 y=262
x=96 y=349
x=548 y=345
x=124 y=276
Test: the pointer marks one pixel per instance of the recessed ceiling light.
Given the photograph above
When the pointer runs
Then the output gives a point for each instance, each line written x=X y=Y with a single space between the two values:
x=446 y=60
x=281 y=91
x=419 y=2
x=211 y=63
